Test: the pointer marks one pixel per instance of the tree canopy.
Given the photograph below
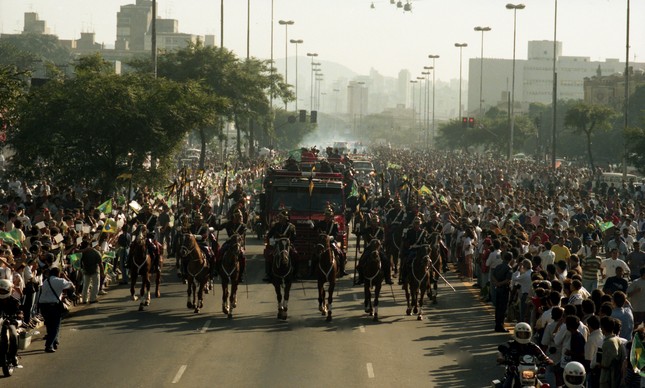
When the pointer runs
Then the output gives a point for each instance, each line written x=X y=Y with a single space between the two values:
x=94 y=127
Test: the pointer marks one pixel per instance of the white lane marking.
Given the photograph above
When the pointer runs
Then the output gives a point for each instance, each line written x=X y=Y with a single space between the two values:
x=180 y=372
x=361 y=328
x=370 y=370
x=205 y=327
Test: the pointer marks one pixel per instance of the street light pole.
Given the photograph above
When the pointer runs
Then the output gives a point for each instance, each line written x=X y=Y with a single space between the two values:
x=413 y=82
x=554 y=100
x=433 y=57
x=311 y=89
x=626 y=123
x=221 y=24
x=420 y=79
x=514 y=7
x=461 y=47
x=296 y=42
x=426 y=105
x=481 y=69
x=286 y=24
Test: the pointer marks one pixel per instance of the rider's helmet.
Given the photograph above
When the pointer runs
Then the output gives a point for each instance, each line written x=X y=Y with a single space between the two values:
x=5 y=288
x=374 y=219
x=574 y=375
x=523 y=333
x=416 y=221
x=198 y=217
x=283 y=216
x=329 y=212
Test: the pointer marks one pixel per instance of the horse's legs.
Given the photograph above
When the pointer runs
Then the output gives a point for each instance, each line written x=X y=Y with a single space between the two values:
x=233 y=298
x=133 y=282
x=190 y=304
x=377 y=292
x=422 y=292
x=200 y=295
x=225 y=307
x=414 y=290
x=321 y=296
x=330 y=298
x=157 y=283
x=278 y=293
x=406 y=288
x=285 y=303
x=434 y=286
x=368 y=297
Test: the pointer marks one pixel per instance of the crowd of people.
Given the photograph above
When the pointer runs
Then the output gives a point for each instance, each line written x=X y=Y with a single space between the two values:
x=553 y=248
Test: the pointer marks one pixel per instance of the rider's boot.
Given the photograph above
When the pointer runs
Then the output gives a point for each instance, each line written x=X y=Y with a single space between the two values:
x=361 y=278
x=385 y=263
x=343 y=261
x=267 y=268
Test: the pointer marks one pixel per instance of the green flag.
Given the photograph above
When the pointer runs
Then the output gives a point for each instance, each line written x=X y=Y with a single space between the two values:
x=353 y=192
x=296 y=155
x=9 y=237
x=636 y=356
x=75 y=260
x=605 y=225
x=106 y=207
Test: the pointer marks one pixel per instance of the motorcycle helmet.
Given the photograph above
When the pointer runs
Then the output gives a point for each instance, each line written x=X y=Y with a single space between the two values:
x=5 y=288
x=574 y=375
x=523 y=333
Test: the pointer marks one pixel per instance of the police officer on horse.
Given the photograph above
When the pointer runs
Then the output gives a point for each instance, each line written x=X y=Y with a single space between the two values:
x=281 y=229
x=330 y=227
x=374 y=232
x=234 y=227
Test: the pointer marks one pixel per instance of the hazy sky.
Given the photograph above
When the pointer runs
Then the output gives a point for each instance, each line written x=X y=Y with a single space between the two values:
x=351 y=33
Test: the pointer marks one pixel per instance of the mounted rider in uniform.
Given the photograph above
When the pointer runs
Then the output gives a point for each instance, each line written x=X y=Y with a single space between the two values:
x=234 y=227
x=414 y=236
x=281 y=229
x=330 y=227
x=206 y=241
x=374 y=232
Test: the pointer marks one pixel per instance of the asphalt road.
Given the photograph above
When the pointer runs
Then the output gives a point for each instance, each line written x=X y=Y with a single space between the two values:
x=111 y=344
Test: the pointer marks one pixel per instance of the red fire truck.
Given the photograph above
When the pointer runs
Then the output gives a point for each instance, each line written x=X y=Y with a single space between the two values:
x=305 y=195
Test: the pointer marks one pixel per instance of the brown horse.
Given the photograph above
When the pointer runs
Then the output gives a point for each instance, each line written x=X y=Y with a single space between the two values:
x=418 y=280
x=140 y=265
x=326 y=272
x=229 y=272
x=282 y=274
x=373 y=274
x=197 y=270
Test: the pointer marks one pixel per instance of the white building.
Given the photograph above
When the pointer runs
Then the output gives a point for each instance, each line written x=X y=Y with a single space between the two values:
x=534 y=77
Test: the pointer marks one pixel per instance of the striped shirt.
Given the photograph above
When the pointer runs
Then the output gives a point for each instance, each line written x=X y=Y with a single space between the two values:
x=591 y=268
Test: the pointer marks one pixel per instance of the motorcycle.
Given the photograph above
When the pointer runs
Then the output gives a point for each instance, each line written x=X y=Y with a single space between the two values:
x=525 y=371
x=5 y=333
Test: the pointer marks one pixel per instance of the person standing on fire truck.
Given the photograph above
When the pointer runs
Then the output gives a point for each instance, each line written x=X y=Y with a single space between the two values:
x=330 y=227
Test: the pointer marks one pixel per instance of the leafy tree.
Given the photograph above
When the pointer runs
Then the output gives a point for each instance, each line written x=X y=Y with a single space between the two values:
x=636 y=130
x=94 y=127
x=243 y=87
x=23 y=49
x=12 y=90
x=585 y=118
x=289 y=132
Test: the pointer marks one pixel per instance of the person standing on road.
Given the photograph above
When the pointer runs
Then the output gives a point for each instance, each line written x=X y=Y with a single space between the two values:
x=49 y=303
x=92 y=267
x=501 y=279
x=635 y=260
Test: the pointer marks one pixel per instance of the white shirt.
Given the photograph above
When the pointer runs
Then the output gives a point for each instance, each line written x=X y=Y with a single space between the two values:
x=53 y=294
x=548 y=257
x=594 y=342
x=610 y=266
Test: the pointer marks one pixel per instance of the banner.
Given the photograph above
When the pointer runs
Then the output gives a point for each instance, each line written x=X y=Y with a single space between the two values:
x=106 y=207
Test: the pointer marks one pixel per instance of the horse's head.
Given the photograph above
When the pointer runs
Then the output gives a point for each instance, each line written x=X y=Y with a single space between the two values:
x=281 y=254
x=234 y=247
x=374 y=245
x=187 y=244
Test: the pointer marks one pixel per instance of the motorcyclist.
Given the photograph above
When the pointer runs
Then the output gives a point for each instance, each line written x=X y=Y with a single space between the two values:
x=330 y=227
x=518 y=347
x=574 y=375
x=10 y=309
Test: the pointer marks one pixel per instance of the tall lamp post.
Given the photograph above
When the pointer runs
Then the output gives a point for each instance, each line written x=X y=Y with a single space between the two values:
x=286 y=24
x=426 y=106
x=461 y=48
x=433 y=57
x=626 y=123
x=554 y=98
x=420 y=79
x=296 y=42
x=311 y=88
x=319 y=78
x=514 y=7
x=413 y=82
x=481 y=69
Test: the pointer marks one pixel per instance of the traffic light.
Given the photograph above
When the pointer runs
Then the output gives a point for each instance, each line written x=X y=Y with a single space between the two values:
x=464 y=122
x=471 y=122
x=314 y=116
x=303 y=115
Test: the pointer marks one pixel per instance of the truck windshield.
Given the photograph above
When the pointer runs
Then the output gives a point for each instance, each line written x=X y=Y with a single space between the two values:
x=297 y=199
